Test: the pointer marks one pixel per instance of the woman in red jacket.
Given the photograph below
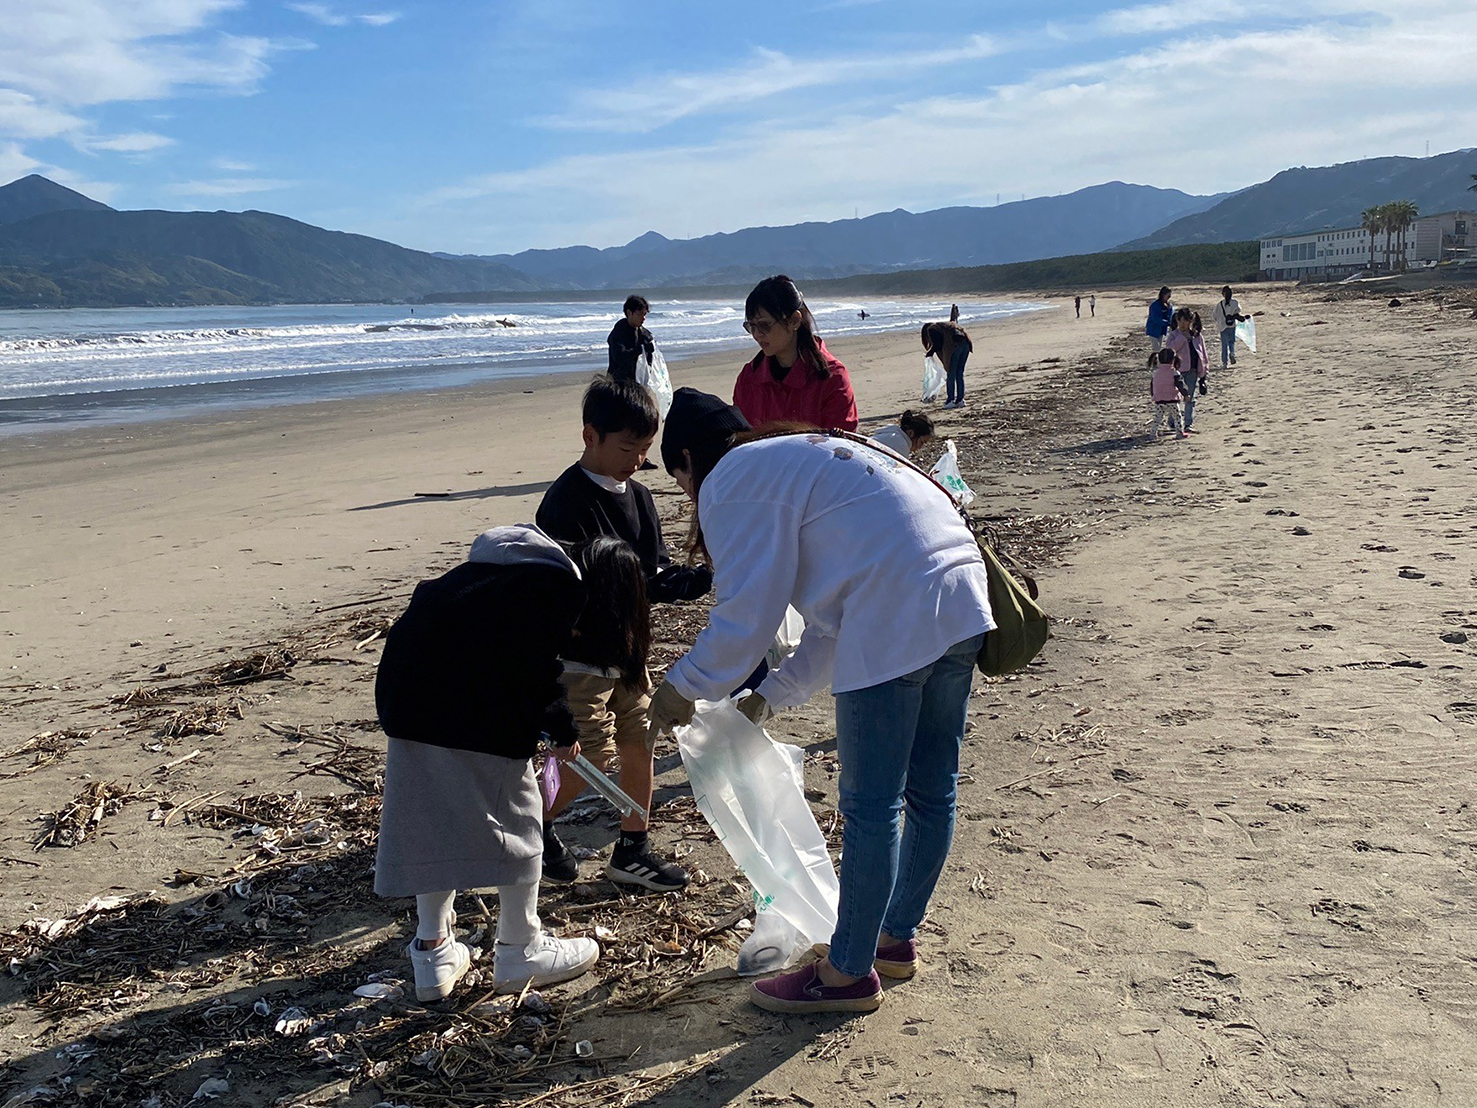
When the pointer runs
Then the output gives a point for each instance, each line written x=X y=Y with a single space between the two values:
x=794 y=376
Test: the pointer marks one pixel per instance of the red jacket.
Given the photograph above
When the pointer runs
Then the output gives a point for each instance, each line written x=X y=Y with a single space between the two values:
x=826 y=402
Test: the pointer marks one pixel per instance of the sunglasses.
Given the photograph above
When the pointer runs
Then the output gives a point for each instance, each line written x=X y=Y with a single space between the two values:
x=758 y=328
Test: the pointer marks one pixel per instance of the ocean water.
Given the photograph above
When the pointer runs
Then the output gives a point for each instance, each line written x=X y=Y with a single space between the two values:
x=75 y=367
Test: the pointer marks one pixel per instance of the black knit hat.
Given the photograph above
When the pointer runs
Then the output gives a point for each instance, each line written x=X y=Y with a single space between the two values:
x=694 y=419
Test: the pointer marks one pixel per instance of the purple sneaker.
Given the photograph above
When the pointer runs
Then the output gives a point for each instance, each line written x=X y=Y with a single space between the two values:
x=897 y=960
x=801 y=990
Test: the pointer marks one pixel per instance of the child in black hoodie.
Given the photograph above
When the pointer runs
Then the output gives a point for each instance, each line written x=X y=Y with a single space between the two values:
x=598 y=496
x=468 y=684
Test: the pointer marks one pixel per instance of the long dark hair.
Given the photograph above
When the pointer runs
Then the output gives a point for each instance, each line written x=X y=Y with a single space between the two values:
x=704 y=458
x=615 y=627
x=779 y=297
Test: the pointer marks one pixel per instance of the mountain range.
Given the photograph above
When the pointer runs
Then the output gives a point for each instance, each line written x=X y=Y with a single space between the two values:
x=1081 y=222
x=1305 y=199
x=61 y=248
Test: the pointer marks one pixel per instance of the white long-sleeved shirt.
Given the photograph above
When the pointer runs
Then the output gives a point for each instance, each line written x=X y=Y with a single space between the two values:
x=1225 y=313
x=895 y=439
x=868 y=550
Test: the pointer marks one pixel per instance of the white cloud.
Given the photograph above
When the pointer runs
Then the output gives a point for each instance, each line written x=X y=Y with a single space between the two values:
x=228 y=186
x=59 y=58
x=328 y=17
x=1217 y=109
x=25 y=117
x=230 y=165
x=142 y=142
x=656 y=102
x=14 y=162
x=82 y=52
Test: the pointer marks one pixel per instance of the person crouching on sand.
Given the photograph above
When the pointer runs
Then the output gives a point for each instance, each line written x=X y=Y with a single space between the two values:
x=908 y=435
x=467 y=686
x=851 y=538
x=1168 y=389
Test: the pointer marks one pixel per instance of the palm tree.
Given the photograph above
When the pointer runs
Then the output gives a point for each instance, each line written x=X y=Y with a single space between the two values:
x=1387 y=225
x=1403 y=213
x=1370 y=222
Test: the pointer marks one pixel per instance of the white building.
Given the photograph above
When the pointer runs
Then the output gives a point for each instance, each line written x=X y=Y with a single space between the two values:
x=1342 y=251
x=1445 y=237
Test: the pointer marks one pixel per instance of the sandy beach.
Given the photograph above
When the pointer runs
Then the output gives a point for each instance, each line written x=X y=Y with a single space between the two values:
x=1216 y=846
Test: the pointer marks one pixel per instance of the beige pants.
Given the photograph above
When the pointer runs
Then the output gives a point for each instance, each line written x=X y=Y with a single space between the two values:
x=607 y=713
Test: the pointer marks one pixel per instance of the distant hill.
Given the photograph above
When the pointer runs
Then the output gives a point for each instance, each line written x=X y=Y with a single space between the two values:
x=35 y=195
x=1209 y=264
x=1088 y=220
x=102 y=257
x=1328 y=196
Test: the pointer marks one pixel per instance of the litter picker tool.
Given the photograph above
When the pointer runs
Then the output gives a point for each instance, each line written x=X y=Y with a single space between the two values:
x=592 y=776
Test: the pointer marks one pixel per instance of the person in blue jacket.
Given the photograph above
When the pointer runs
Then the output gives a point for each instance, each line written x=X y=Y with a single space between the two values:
x=1161 y=319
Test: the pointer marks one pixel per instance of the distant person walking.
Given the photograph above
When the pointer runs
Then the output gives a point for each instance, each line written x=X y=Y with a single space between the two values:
x=1092 y=305
x=793 y=377
x=952 y=345
x=629 y=340
x=953 y=313
x=1189 y=348
x=1079 y=307
x=1161 y=319
x=1226 y=315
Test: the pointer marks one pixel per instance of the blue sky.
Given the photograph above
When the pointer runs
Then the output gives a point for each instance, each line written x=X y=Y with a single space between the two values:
x=497 y=126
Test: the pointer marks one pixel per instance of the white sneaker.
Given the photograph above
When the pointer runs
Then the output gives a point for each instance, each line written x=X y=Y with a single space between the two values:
x=545 y=961
x=438 y=970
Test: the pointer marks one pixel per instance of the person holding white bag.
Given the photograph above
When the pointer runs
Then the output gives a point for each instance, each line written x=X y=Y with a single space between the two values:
x=893 y=592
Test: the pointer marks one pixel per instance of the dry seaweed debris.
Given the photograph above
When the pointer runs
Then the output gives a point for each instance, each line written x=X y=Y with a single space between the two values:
x=261 y=666
x=71 y=824
x=201 y=719
x=46 y=748
x=351 y=763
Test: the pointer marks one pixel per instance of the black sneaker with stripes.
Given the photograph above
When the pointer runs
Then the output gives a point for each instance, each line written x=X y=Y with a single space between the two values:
x=642 y=868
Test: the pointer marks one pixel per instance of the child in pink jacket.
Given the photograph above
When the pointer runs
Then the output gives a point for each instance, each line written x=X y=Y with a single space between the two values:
x=1168 y=389
x=1186 y=341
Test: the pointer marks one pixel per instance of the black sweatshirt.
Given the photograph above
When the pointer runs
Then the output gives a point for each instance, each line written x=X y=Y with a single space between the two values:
x=473 y=664
x=626 y=345
x=575 y=509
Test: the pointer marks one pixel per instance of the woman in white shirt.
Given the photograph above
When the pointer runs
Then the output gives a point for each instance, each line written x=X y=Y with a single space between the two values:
x=892 y=588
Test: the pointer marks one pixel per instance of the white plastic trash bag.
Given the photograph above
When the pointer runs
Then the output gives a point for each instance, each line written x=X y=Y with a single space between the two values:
x=654 y=376
x=1246 y=334
x=750 y=791
x=946 y=473
x=934 y=378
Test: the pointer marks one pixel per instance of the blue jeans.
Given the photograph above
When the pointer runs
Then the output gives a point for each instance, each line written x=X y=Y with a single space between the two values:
x=1189 y=405
x=955 y=374
x=1228 y=346
x=899 y=748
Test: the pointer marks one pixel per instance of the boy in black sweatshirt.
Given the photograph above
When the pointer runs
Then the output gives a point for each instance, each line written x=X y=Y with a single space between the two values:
x=598 y=496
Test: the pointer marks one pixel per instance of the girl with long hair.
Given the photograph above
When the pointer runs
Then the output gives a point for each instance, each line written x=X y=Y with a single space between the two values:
x=794 y=376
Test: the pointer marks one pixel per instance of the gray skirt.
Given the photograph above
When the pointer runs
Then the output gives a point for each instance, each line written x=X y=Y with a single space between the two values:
x=455 y=819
